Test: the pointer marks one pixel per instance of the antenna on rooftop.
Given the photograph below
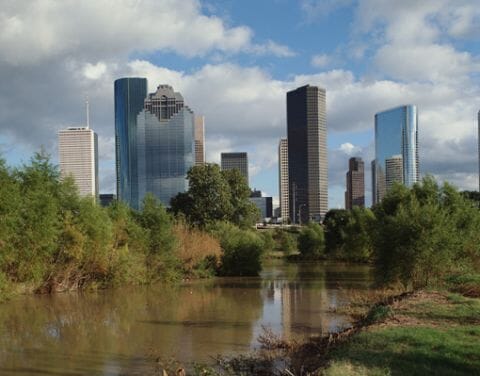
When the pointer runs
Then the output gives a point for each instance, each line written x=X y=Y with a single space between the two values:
x=87 y=106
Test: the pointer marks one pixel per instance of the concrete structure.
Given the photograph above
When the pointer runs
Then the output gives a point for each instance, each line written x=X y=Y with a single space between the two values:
x=155 y=143
x=229 y=161
x=78 y=156
x=355 y=193
x=283 y=178
x=393 y=171
x=307 y=154
x=264 y=204
x=199 y=140
x=396 y=133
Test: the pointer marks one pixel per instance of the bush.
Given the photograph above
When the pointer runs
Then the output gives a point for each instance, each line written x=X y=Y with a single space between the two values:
x=311 y=241
x=285 y=241
x=242 y=250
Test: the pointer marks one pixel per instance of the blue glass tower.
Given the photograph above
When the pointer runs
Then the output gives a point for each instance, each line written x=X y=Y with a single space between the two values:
x=130 y=94
x=396 y=134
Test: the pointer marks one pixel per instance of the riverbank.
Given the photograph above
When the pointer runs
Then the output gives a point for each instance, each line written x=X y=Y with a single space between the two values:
x=420 y=333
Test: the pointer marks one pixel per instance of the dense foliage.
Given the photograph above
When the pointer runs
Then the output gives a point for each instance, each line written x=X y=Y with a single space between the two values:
x=215 y=195
x=51 y=239
x=311 y=241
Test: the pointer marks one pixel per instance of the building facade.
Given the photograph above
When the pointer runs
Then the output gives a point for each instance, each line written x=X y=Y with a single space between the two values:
x=230 y=161
x=374 y=179
x=155 y=142
x=307 y=154
x=199 y=140
x=393 y=171
x=165 y=145
x=355 y=193
x=130 y=94
x=264 y=204
x=283 y=179
x=78 y=156
x=396 y=134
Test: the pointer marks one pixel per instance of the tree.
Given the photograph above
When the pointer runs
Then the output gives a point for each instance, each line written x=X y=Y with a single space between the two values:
x=215 y=195
x=311 y=241
x=335 y=223
x=244 y=212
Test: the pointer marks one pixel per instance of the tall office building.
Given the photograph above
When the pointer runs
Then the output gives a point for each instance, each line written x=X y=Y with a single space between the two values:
x=239 y=161
x=396 y=133
x=78 y=156
x=393 y=171
x=165 y=145
x=307 y=154
x=374 y=177
x=283 y=178
x=130 y=94
x=355 y=194
x=199 y=140
x=159 y=142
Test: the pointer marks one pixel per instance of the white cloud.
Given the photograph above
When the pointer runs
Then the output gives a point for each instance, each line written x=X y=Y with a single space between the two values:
x=102 y=29
x=94 y=71
x=349 y=149
x=320 y=61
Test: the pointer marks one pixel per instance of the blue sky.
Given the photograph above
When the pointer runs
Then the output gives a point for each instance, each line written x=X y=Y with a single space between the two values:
x=234 y=61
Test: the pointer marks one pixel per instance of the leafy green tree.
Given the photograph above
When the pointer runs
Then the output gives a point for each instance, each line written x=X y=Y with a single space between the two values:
x=244 y=212
x=358 y=241
x=208 y=198
x=335 y=223
x=161 y=260
x=311 y=241
x=286 y=242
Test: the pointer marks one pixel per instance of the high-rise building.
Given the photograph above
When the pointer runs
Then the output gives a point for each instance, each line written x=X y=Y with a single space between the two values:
x=199 y=140
x=78 y=156
x=165 y=145
x=393 y=171
x=307 y=154
x=264 y=205
x=283 y=178
x=130 y=94
x=158 y=139
x=396 y=133
x=229 y=161
x=374 y=178
x=355 y=194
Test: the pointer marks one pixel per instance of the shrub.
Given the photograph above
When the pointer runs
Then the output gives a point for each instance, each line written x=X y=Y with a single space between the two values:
x=311 y=241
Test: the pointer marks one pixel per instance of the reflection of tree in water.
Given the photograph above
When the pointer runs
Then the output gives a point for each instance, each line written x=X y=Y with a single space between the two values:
x=116 y=329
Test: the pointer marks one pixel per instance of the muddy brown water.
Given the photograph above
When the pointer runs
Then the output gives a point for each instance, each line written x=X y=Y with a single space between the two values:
x=121 y=331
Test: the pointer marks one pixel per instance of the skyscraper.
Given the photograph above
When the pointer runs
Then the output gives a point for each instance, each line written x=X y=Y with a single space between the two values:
x=155 y=141
x=199 y=140
x=307 y=154
x=374 y=179
x=355 y=194
x=165 y=145
x=239 y=161
x=130 y=94
x=78 y=156
x=283 y=178
x=396 y=133
x=393 y=171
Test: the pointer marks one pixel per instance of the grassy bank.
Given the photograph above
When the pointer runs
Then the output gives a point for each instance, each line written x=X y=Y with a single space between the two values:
x=430 y=333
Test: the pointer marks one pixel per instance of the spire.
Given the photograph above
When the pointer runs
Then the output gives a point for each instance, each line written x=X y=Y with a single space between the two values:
x=87 y=107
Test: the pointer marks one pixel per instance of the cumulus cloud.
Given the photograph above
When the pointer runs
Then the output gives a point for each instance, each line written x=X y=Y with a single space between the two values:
x=320 y=61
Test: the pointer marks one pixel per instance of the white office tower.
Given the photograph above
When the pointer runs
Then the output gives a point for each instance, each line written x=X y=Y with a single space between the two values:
x=78 y=155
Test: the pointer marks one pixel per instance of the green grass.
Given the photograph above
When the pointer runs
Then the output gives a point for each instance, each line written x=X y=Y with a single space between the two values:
x=410 y=351
x=439 y=335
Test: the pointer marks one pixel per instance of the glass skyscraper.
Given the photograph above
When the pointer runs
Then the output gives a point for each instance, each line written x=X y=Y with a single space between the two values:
x=159 y=143
x=130 y=94
x=396 y=135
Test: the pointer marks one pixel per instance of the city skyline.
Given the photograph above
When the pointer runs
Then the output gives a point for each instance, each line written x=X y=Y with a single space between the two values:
x=235 y=70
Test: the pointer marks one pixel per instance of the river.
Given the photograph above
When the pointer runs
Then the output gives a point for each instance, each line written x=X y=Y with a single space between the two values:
x=121 y=331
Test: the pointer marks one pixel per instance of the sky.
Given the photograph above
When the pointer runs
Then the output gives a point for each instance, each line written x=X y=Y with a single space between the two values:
x=234 y=61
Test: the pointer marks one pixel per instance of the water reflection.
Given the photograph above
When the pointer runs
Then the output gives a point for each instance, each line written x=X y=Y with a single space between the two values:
x=112 y=332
